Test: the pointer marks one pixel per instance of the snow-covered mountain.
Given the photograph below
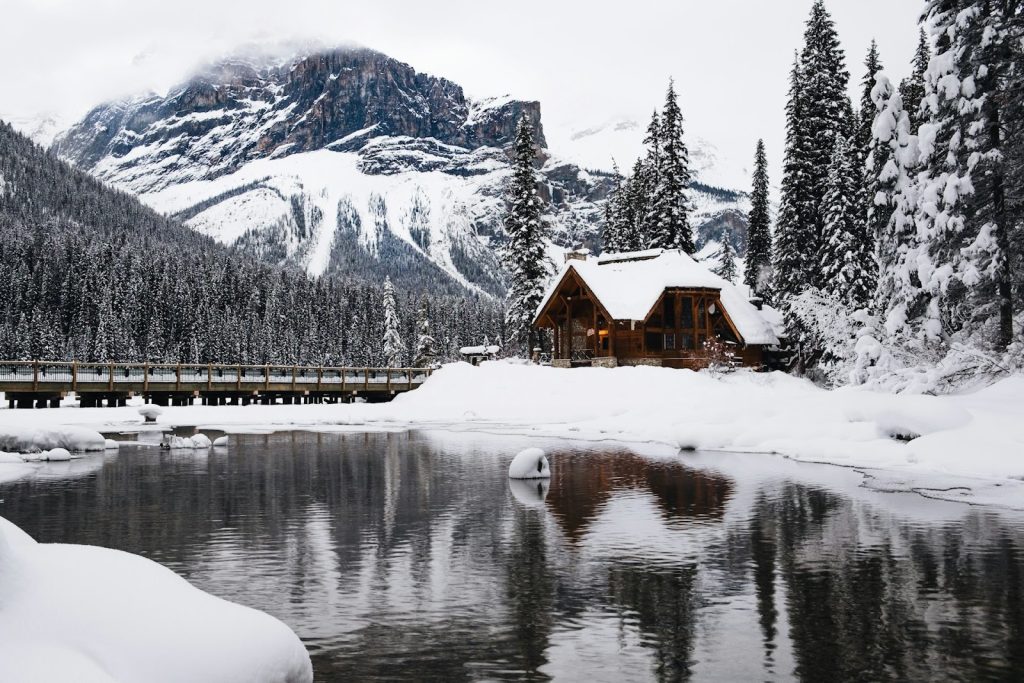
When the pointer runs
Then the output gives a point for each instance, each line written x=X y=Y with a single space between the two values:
x=342 y=159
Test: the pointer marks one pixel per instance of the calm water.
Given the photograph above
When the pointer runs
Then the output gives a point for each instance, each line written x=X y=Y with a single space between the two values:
x=409 y=557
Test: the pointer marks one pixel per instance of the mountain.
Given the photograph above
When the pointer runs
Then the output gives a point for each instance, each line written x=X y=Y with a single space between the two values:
x=90 y=273
x=341 y=160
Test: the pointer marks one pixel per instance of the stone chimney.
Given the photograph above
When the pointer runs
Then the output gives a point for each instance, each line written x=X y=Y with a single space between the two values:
x=577 y=254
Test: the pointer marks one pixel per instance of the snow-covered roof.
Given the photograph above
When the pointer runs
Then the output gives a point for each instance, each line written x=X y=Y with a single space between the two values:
x=628 y=285
x=480 y=350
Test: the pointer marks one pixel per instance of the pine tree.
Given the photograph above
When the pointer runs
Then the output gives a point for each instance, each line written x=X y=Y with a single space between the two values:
x=846 y=263
x=426 y=346
x=912 y=87
x=524 y=253
x=671 y=229
x=759 y=237
x=394 y=348
x=864 y=136
x=648 y=177
x=613 y=230
x=824 y=112
x=967 y=269
x=794 y=231
x=726 y=267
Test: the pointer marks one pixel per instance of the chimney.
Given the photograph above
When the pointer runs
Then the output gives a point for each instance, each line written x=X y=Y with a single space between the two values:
x=758 y=302
x=577 y=254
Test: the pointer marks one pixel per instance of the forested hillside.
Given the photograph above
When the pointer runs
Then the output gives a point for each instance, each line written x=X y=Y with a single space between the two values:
x=90 y=273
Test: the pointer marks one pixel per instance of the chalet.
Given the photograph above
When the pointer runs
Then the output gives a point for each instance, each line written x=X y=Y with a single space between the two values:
x=655 y=307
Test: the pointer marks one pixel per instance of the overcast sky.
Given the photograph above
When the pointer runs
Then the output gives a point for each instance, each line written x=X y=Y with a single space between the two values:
x=587 y=62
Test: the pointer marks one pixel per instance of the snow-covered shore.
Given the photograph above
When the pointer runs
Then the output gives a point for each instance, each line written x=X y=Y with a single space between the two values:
x=977 y=436
x=84 y=613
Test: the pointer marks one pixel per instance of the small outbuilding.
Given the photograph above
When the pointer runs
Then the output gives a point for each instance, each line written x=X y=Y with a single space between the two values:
x=478 y=354
x=657 y=307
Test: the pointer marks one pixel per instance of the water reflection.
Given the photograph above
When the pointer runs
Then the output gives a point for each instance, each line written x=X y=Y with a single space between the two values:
x=409 y=556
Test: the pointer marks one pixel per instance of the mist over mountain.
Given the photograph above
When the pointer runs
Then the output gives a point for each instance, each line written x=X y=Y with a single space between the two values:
x=345 y=160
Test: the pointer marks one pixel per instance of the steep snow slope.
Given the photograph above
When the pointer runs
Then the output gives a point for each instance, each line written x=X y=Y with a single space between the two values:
x=343 y=160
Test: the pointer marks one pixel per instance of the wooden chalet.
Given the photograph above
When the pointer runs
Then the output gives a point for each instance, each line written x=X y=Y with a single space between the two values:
x=655 y=307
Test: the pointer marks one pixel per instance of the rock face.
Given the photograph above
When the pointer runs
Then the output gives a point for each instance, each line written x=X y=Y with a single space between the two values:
x=340 y=160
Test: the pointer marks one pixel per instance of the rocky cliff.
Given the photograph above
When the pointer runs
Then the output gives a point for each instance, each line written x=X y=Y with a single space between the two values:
x=344 y=159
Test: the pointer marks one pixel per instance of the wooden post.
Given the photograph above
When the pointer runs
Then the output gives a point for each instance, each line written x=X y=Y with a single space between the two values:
x=145 y=377
x=209 y=376
x=238 y=378
x=177 y=377
x=35 y=375
x=344 y=371
x=74 y=375
x=409 y=376
x=293 y=377
x=319 y=376
x=110 y=378
x=266 y=378
x=389 y=378
x=366 y=379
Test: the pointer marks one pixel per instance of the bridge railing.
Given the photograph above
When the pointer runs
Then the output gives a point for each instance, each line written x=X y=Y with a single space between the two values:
x=162 y=376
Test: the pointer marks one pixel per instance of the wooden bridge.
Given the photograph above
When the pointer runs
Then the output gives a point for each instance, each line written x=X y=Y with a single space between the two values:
x=28 y=384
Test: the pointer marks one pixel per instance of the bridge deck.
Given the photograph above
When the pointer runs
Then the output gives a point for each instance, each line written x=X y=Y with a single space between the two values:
x=25 y=382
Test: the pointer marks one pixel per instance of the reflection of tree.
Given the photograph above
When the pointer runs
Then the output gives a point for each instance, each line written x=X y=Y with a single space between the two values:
x=581 y=484
x=762 y=542
x=530 y=588
x=662 y=598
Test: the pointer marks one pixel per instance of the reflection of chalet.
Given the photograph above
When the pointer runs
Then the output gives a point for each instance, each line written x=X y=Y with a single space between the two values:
x=649 y=308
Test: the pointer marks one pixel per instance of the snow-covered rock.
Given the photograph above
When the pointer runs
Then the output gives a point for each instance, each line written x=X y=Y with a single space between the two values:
x=34 y=440
x=83 y=613
x=530 y=463
x=221 y=441
x=150 y=413
x=196 y=442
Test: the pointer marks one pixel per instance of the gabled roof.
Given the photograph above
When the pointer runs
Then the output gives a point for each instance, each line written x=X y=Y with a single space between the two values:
x=628 y=286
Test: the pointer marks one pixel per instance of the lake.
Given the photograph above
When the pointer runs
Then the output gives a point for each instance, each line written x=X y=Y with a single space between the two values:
x=410 y=556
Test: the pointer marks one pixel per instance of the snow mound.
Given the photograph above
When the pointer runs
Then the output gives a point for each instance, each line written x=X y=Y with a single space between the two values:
x=221 y=441
x=150 y=413
x=111 y=445
x=28 y=440
x=82 y=613
x=530 y=463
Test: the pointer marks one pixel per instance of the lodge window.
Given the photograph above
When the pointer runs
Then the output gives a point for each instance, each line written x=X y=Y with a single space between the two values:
x=687 y=311
x=669 y=313
x=687 y=340
x=654 y=341
x=670 y=342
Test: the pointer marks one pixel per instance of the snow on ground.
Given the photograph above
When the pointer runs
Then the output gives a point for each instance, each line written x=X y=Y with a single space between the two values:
x=970 y=444
x=83 y=613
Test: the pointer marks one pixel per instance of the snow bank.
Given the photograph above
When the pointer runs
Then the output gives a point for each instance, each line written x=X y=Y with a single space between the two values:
x=82 y=613
x=33 y=440
x=976 y=435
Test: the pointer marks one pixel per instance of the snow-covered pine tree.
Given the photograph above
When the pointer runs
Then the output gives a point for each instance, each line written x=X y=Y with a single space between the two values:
x=864 y=139
x=671 y=229
x=726 y=267
x=912 y=87
x=426 y=346
x=614 y=228
x=846 y=262
x=524 y=254
x=394 y=348
x=962 y=203
x=757 y=272
x=825 y=112
x=636 y=199
x=793 y=231
x=648 y=177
